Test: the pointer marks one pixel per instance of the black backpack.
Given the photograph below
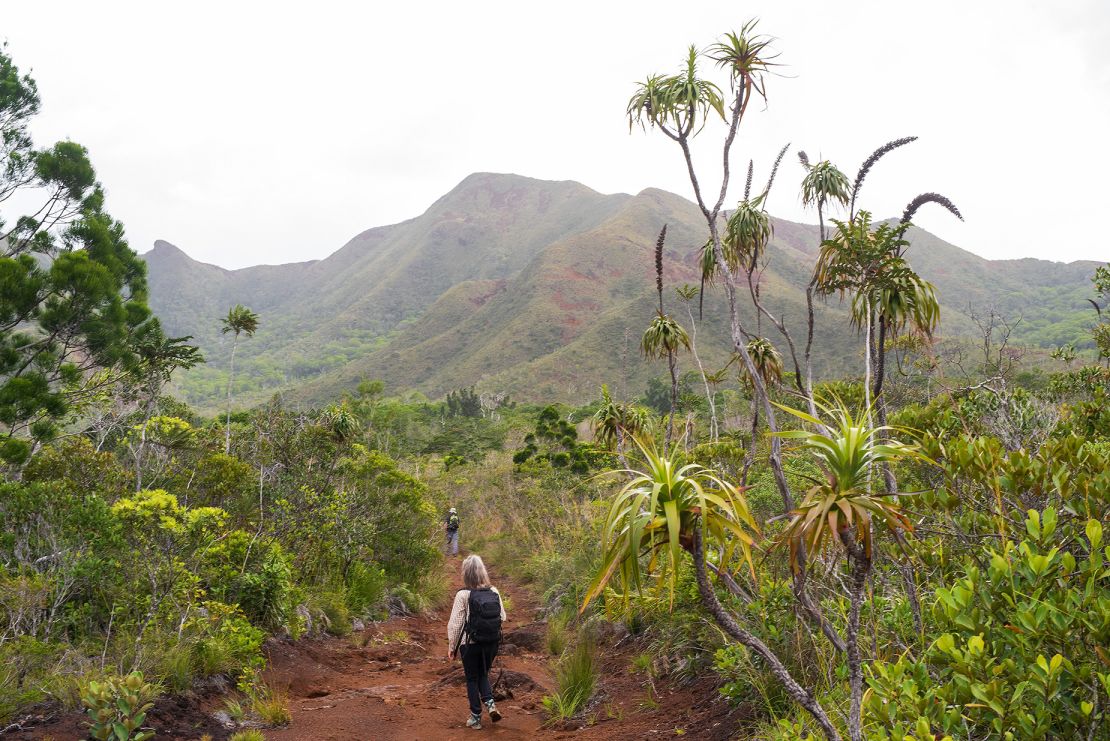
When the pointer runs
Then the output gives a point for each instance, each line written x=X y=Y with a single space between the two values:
x=453 y=523
x=483 y=616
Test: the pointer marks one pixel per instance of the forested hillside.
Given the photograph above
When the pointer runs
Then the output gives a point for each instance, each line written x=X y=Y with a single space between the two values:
x=522 y=286
x=735 y=477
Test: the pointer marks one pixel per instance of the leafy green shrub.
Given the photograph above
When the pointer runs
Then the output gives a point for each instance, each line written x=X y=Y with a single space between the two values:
x=334 y=607
x=251 y=572
x=118 y=707
x=575 y=679
x=365 y=588
x=225 y=641
x=1019 y=655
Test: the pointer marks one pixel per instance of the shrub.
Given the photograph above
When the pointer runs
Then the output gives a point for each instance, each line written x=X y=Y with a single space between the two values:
x=1019 y=653
x=252 y=573
x=118 y=707
x=225 y=641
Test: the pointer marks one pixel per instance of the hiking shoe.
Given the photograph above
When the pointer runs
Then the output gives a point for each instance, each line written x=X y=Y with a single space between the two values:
x=494 y=713
x=475 y=722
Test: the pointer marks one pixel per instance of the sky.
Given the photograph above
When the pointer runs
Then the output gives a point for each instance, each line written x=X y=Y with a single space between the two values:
x=251 y=132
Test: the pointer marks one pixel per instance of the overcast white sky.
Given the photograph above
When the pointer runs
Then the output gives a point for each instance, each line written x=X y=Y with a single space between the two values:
x=266 y=132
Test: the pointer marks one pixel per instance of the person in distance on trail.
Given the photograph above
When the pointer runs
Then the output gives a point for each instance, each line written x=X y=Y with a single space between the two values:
x=474 y=632
x=451 y=525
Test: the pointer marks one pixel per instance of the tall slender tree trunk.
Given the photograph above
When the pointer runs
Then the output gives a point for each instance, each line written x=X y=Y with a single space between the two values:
x=230 y=380
x=701 y=369
x=671 y=364
x=909 y=581
x=861 y=568
x=729 y=624
x=620 y=448
x=811 y=321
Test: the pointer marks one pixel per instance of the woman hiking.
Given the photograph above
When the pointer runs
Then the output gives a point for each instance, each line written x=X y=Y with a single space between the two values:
x=474 y=632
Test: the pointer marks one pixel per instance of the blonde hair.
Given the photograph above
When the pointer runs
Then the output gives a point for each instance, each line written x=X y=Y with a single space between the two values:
x=474 y=573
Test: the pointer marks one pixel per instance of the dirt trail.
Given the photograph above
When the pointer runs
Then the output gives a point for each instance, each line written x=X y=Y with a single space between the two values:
x=394 y=681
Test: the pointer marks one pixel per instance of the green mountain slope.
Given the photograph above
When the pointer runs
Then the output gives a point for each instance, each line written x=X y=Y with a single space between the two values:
x=542 y=289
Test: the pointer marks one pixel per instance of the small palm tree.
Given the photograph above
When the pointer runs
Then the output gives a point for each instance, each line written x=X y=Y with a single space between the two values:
x=842 y=508
x=747 y=233
x=239 y=320
x=822 y=185
x=662 y=340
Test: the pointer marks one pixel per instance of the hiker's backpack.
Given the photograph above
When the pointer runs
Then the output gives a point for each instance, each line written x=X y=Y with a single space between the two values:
x=483 y=616
x=453 y=522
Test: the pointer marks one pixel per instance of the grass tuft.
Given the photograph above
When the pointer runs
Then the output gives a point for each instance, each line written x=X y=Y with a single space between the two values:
x=575 y=680
x=271 y=706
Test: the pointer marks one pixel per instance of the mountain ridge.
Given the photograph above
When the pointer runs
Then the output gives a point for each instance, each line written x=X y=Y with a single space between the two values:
x=521 y=283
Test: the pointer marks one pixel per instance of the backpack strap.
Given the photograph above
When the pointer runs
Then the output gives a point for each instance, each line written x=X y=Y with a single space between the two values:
x=466 y=623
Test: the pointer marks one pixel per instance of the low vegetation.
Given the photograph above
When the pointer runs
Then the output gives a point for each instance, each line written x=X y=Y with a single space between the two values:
x=914 y=549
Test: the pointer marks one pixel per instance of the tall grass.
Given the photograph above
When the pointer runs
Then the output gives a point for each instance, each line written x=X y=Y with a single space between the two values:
x=271 y=706
x=575 y=680
x=251 y=735
x=557 y=634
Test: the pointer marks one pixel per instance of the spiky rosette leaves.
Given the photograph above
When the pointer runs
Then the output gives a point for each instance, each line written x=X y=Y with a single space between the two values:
x=655 y=516
x=662 y=337
x=847 y=450
x=614 y=417
x=767 y=362
x=868 y=163
x=747 y=56
x=824 y=183
x=856 y=256
x=921 y=200
x=747 y=233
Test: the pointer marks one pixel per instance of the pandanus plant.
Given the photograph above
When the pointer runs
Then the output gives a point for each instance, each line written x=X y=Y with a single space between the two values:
x=656 y=513
x=614 y=420
x=671 y=508
x=842 y=509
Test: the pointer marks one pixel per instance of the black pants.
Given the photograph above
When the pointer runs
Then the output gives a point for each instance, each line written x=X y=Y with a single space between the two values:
x=477 y=658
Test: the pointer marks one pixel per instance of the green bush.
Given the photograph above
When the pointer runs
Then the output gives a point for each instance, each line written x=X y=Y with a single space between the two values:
x=118 y=707
x=1020 y=652
x=253 y=573
x=365 y=588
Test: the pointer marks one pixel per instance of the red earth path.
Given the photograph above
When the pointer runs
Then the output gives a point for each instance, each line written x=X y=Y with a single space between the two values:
x=394 y=681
